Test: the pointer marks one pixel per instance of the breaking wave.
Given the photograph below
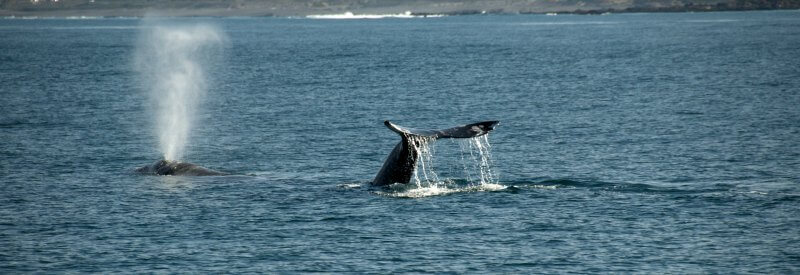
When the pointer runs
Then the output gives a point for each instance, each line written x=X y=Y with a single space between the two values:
x=350 y=15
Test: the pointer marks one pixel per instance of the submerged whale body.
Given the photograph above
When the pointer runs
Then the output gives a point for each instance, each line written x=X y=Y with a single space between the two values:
x=176 y=168
x=400 y=165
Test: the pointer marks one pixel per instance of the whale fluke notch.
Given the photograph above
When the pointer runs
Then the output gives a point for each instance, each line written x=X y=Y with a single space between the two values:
x=400 y=165
x=176 y=168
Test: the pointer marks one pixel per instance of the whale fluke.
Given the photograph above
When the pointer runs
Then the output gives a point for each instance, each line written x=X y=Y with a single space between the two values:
x=400 y=165
x=176 y=168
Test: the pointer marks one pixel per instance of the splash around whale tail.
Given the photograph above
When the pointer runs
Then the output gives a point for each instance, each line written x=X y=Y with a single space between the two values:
x=464 y=131
x=401 y=162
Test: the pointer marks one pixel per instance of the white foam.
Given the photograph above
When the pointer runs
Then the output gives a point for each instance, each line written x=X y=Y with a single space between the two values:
x=437 y=189
x=350 y=185
x=95 y=28
x=82 y=17
x=713 y=21
x=490 y=187
x=421 y=192
x=568 y=23
x=350 y=15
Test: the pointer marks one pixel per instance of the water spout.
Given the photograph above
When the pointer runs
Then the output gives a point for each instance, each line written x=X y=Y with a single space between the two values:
x=169 y=59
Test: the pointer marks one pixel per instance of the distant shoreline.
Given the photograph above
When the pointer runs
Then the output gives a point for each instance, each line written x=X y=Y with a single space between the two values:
x=677 y=9
x=213 y=12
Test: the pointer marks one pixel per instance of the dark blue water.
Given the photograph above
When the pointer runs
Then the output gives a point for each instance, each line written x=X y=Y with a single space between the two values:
x=628 y=143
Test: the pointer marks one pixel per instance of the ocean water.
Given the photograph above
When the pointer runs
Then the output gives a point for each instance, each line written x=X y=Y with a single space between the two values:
x=628 y=143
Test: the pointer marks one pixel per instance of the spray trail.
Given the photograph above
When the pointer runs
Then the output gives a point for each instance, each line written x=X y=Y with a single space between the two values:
x=169 y=60
x=476 y=156
x=476 y=162
x=483 y=159
x=424 y=172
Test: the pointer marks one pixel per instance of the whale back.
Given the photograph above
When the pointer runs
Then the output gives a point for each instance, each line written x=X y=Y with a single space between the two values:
x=176 y=168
